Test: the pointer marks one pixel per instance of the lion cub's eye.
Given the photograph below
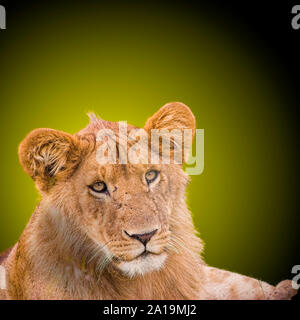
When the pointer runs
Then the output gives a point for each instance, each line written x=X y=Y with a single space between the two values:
x=99 y=187
x=151 y=176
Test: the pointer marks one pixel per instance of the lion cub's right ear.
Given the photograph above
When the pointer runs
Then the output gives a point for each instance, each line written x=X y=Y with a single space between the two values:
x=49 y=155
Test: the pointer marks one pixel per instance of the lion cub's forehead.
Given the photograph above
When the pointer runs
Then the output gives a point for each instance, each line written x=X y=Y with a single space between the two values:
x=113 y=172
x=92 y=169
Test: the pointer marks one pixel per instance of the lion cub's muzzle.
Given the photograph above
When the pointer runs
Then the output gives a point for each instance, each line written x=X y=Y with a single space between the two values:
x=147 y=242
x=144 y=252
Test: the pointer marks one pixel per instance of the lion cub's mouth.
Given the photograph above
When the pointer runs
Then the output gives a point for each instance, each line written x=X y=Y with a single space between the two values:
x=143 y=263
x=145 y=254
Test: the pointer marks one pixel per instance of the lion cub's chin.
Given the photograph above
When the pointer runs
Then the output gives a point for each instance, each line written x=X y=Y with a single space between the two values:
x=142 y=265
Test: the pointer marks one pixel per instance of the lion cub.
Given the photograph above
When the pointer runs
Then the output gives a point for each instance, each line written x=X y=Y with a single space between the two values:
x=116 y=229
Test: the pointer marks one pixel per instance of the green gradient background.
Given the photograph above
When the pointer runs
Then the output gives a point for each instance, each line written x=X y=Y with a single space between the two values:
x=124 y=62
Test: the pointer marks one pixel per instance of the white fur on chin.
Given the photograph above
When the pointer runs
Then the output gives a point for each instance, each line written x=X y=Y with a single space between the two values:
x=143 y=265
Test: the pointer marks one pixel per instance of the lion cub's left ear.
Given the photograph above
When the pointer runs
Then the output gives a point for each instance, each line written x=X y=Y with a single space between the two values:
x=48 y=155
x=173 y=115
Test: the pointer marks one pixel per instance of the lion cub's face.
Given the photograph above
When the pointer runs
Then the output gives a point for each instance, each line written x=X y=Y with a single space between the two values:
x=126 y=209
x=123 y=209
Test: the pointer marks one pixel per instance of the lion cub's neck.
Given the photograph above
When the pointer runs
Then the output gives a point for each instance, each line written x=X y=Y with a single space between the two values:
x=53 y=266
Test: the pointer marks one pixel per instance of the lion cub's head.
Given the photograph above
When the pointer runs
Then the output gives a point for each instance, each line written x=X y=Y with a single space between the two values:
x=116 y=213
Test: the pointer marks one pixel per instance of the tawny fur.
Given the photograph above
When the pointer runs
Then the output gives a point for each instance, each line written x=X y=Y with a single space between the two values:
x=74 y=246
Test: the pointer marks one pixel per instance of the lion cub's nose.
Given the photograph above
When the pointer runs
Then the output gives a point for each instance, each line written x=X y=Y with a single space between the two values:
x=142 y=237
